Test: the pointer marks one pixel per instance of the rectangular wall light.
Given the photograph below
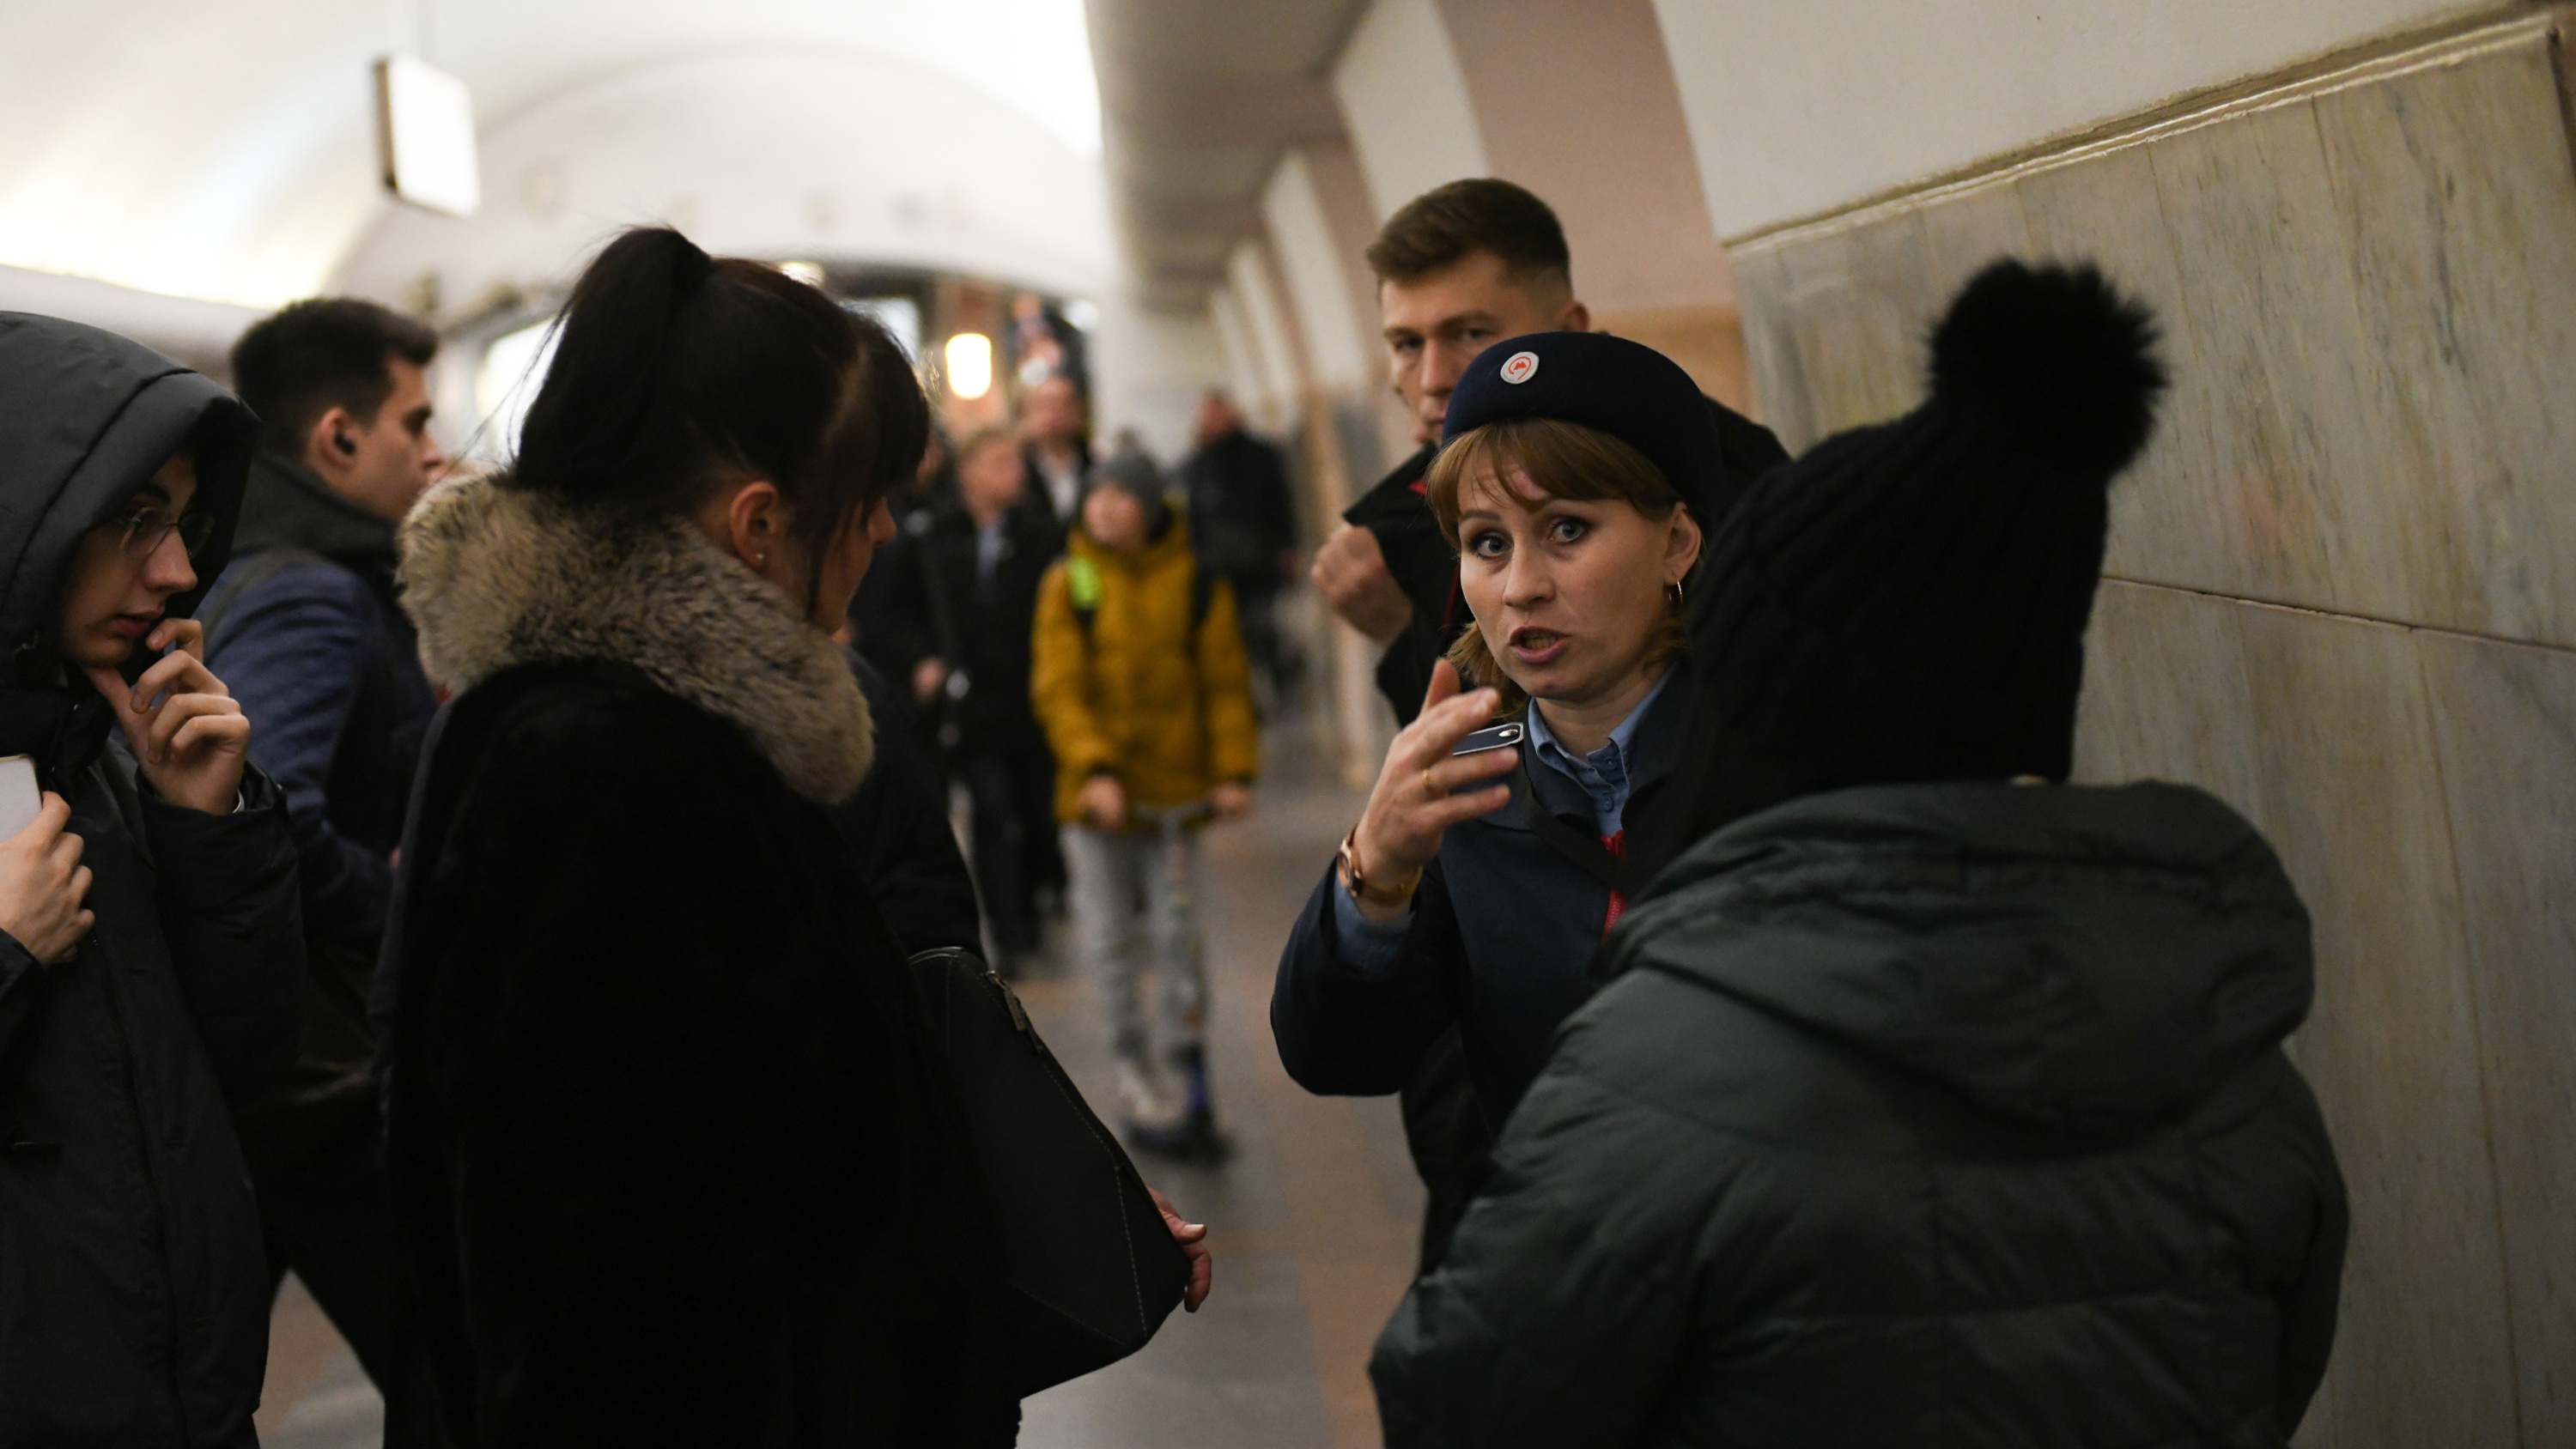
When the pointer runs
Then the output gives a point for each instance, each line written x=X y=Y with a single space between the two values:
x=425 y=136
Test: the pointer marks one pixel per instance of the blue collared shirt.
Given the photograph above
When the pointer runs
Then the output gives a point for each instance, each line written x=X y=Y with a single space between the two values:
x=1603 y=774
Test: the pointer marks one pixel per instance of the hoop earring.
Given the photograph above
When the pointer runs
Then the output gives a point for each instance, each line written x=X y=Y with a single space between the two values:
x=1673 y=591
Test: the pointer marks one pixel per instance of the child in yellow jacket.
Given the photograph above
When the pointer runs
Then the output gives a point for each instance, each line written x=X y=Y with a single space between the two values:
x=1140 y=680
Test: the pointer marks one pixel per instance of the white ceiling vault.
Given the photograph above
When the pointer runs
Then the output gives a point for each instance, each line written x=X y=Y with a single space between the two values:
x=226 y=152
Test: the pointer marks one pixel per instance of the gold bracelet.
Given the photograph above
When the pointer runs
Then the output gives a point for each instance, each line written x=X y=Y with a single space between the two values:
x=1358 y=885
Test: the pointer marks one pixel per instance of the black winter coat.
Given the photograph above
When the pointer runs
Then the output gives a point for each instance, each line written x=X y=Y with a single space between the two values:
x=938 y=604
x=1949 y=1114
x=1241 y=515
x=134 y=1287
x=672 y=1164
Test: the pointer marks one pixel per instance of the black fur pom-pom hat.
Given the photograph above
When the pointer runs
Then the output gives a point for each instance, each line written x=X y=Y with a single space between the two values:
x=1907 y=602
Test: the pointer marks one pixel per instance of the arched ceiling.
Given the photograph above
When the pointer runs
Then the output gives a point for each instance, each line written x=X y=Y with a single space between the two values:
x=227 y=151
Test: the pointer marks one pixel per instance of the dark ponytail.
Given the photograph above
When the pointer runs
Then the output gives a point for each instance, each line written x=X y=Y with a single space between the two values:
x=675 y=372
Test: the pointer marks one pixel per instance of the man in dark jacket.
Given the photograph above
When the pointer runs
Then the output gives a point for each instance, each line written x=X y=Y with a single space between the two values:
x=963 y=595
x=133 y=1289
x=306 y=628
x=1243 y=527
x=1931 y=1101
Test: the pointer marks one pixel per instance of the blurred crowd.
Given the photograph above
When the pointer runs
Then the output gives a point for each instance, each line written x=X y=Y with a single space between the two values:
x=527 y=905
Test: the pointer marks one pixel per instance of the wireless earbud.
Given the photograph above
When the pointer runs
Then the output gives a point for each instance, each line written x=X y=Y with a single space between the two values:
x=341 y=442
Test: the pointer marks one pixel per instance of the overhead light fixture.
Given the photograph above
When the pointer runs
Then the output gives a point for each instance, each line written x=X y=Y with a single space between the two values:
x=970 y=365
x=425 y=136
x=810 y=273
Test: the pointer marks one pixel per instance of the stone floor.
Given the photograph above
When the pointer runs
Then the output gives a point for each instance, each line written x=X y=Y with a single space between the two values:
x=1314 y=1217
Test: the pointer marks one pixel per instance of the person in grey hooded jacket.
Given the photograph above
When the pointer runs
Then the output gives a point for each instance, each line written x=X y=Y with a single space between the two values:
x=149 y=939
x=1932 y=1100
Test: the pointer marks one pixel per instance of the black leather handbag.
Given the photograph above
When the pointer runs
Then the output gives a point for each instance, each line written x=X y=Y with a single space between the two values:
x=1092 y=1267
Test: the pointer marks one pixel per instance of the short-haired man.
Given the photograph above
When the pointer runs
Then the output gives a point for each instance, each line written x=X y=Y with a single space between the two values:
x=305 y=628
x=1459 y=268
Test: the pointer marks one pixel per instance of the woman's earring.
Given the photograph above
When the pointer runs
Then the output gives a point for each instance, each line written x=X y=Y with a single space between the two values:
x=1673 y=589
x=760 y=559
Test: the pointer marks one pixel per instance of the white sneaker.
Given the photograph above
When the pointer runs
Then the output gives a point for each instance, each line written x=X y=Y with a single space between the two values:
x=1144 y=1102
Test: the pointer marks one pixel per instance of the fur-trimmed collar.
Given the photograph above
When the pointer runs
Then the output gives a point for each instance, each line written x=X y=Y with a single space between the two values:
x=495 y=577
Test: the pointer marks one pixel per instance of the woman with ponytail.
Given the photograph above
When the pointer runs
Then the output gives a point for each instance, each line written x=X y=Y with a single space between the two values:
x=672 y=1162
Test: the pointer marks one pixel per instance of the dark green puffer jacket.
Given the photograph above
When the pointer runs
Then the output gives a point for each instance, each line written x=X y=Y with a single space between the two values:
x=1946 y=1114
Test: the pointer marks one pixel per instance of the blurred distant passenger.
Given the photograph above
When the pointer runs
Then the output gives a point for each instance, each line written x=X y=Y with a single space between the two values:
x=1142 y=686
x=1934 y=1100
x=898 y=824
x=962 y=596
x=307 y=629
x=674 y=1158
x=876 y=616
x=149 y=942
x=1244 y=525
x=1055 y=422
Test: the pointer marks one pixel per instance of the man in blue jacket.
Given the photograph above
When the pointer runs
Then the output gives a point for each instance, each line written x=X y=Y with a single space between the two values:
x=307 y=631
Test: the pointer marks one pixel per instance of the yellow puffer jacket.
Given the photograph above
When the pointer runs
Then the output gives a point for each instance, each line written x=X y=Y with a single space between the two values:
x=1166 y=709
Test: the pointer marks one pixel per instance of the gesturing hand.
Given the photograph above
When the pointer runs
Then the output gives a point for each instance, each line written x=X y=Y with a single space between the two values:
x=188 y=732
x=1193 y=1240
x=42 y=883
x=1411 y=807
x=1350 y=572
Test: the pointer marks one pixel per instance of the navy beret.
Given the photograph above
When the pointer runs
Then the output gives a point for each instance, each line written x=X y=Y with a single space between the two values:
x=1613 y=385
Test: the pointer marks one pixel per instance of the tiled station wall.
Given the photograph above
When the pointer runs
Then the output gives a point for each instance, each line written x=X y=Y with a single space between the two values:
x=2343 y=598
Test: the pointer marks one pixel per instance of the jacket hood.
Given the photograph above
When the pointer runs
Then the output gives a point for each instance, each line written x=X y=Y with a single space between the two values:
x=287 y=505
x=86 y=417
x=494 y=577
x=2093 y=959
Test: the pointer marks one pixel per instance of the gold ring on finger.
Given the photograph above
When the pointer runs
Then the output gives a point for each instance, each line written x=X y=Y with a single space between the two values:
x=1427 y=787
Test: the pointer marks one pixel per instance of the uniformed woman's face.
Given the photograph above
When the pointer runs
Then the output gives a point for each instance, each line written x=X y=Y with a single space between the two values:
x=1569 y=593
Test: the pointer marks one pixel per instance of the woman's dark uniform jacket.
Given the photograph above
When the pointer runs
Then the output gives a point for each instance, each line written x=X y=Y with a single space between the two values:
x=134 y=1289
x=671 y=1163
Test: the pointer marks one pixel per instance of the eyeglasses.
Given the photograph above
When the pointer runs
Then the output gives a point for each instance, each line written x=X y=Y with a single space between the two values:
x=143 y=528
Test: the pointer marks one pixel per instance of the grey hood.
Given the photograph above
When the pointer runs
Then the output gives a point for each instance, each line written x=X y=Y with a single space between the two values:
x=86 y=417
x=2094 y=959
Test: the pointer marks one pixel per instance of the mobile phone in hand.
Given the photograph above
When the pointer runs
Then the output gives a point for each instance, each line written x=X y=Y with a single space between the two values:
x=1492 y=737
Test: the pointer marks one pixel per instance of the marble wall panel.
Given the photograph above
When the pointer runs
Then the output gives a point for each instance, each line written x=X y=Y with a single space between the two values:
x=2462 y=251
x=2165 y=693
x=2274 y=373
x=2348 y=789
x=2172 y=520
x=1858 y=297
x=2365 y=285
x=1771 y=346
x=1964 y=230
x=2505 y=718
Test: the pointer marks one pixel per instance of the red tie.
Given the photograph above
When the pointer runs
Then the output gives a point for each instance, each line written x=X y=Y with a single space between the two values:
x=1616 y=844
